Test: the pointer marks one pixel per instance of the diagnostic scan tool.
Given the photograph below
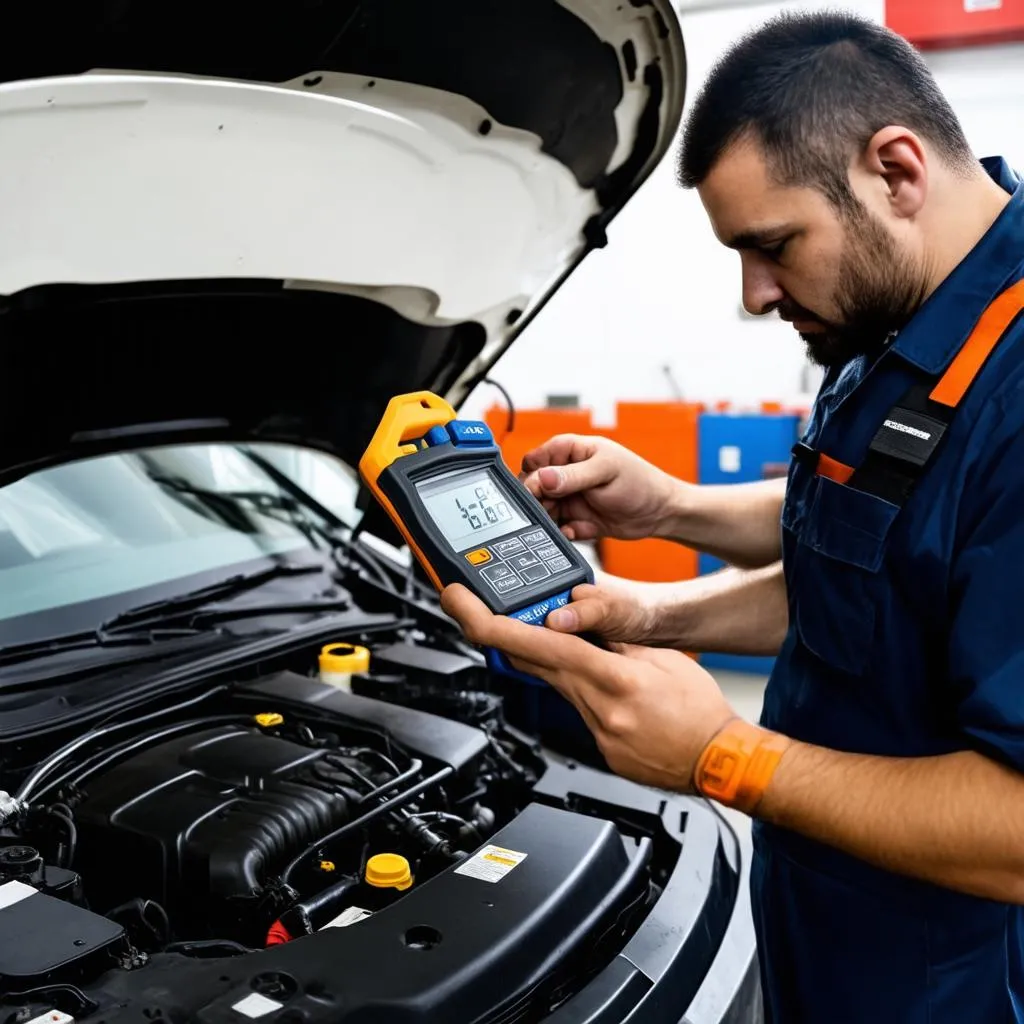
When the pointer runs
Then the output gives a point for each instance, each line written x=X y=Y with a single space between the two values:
x=465 y=516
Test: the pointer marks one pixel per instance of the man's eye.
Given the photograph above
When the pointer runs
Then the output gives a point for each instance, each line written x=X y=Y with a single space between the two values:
x=775 y=252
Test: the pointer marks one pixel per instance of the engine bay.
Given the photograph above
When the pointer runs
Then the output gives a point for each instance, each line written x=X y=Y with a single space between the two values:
x=388 y=850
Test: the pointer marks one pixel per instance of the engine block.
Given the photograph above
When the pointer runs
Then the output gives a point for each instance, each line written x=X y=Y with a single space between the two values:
x=200 y=822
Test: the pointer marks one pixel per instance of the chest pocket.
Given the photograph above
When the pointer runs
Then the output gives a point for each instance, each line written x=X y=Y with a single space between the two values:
x=838 y=579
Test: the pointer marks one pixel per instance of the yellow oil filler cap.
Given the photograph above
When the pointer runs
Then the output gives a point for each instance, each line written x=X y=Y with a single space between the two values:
x=338 y=662
x=388 y=871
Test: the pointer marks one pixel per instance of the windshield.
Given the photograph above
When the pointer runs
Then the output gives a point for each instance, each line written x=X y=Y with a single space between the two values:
x=115 y=524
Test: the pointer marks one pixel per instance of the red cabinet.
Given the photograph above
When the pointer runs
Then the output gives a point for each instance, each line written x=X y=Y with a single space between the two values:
x=930 y=24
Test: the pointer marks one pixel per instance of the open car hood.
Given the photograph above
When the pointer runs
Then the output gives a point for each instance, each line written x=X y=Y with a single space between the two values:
x=262 y=220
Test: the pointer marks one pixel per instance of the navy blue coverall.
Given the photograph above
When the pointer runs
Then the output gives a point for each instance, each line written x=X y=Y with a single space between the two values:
x=906 y=639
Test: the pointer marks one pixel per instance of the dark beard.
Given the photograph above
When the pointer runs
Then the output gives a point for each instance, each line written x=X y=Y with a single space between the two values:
x=877 y=295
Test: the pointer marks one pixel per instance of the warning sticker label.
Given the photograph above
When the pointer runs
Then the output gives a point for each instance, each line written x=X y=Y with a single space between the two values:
x=491 y=864
x=351 y=916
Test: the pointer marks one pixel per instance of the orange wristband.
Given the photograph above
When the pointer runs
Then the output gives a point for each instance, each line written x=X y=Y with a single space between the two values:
x=737 y=765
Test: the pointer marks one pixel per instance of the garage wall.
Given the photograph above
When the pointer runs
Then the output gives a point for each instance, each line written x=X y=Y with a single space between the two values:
x=659 y=309
x=985 y=84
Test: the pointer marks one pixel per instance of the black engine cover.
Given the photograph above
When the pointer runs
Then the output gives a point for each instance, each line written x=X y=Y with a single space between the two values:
x=201 y=821
x=483 y=942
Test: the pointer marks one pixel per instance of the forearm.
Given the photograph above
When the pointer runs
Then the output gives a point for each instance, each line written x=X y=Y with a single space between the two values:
x=738 y=523
x=956 y=821
x=735 y=611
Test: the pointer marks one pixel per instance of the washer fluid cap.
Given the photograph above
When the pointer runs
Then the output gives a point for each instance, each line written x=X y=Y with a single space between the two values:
x=344 y=658
x=388 y=871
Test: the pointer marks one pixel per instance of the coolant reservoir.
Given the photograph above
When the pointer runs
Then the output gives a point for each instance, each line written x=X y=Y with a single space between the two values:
x=387 y=876
x=388 y=871
x=338 y=663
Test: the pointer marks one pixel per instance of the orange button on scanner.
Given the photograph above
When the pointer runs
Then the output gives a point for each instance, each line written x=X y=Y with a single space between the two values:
x=479 y=556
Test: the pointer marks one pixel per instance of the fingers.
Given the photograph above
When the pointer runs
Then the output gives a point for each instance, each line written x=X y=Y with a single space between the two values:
x=543 y=648
x=558 y=451
x=554 y=469
x=465 y=607
x=589 y=678
x=579 y=529
x=561 y=482
x=593 y=610
x=582 y=529
x=604 y=612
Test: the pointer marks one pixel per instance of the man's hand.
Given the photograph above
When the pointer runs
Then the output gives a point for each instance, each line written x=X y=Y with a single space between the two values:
x=613 y=612
x=652 y=712
x=593 y=487
x=734 y=611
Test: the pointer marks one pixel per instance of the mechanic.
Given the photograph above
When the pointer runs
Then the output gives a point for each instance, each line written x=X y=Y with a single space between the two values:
x=885 y=777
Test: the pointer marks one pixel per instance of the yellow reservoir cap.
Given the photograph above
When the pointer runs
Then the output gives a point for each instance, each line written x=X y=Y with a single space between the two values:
x=388 y=871
x=344 y=658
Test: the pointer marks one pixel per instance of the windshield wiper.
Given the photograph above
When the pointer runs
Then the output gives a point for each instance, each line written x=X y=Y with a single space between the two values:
x=13 y=653
x=298 y=499
x=234 y=508
x=229 y=587
x=141 y=626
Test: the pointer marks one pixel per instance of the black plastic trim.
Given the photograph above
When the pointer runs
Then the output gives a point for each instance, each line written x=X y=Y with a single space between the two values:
x=680 y=944
x=441 y=739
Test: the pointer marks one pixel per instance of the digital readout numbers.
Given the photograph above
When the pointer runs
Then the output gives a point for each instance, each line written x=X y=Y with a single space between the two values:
x=489 y=505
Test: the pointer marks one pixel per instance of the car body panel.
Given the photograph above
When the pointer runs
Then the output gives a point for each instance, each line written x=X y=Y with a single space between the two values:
x=430 y=175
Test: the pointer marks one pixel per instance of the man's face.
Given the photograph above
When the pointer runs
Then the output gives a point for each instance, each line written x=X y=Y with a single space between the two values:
x=841 y=279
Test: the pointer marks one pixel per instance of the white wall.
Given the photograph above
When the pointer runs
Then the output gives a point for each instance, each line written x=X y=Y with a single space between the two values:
x=666 y=293
x=985 y=84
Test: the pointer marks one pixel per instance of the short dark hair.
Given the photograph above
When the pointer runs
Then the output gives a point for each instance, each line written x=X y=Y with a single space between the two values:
x=813 y=89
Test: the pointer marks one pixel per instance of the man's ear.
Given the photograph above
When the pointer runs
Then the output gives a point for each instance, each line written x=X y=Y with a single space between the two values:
x=896 y=163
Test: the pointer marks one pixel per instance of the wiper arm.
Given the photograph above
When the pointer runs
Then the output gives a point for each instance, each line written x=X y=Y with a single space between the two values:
x=335 y=525
x=13 y=653
x=232 y=507
x=145 y=613
x=140 y=626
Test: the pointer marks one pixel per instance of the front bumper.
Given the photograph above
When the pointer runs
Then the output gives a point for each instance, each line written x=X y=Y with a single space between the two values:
x=696 y=949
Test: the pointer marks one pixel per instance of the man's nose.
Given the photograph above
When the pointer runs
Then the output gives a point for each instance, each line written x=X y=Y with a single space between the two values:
x=761 y=290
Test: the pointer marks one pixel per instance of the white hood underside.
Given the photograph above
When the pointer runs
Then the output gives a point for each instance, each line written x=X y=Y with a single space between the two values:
x=123 y=178
x=130 y=195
